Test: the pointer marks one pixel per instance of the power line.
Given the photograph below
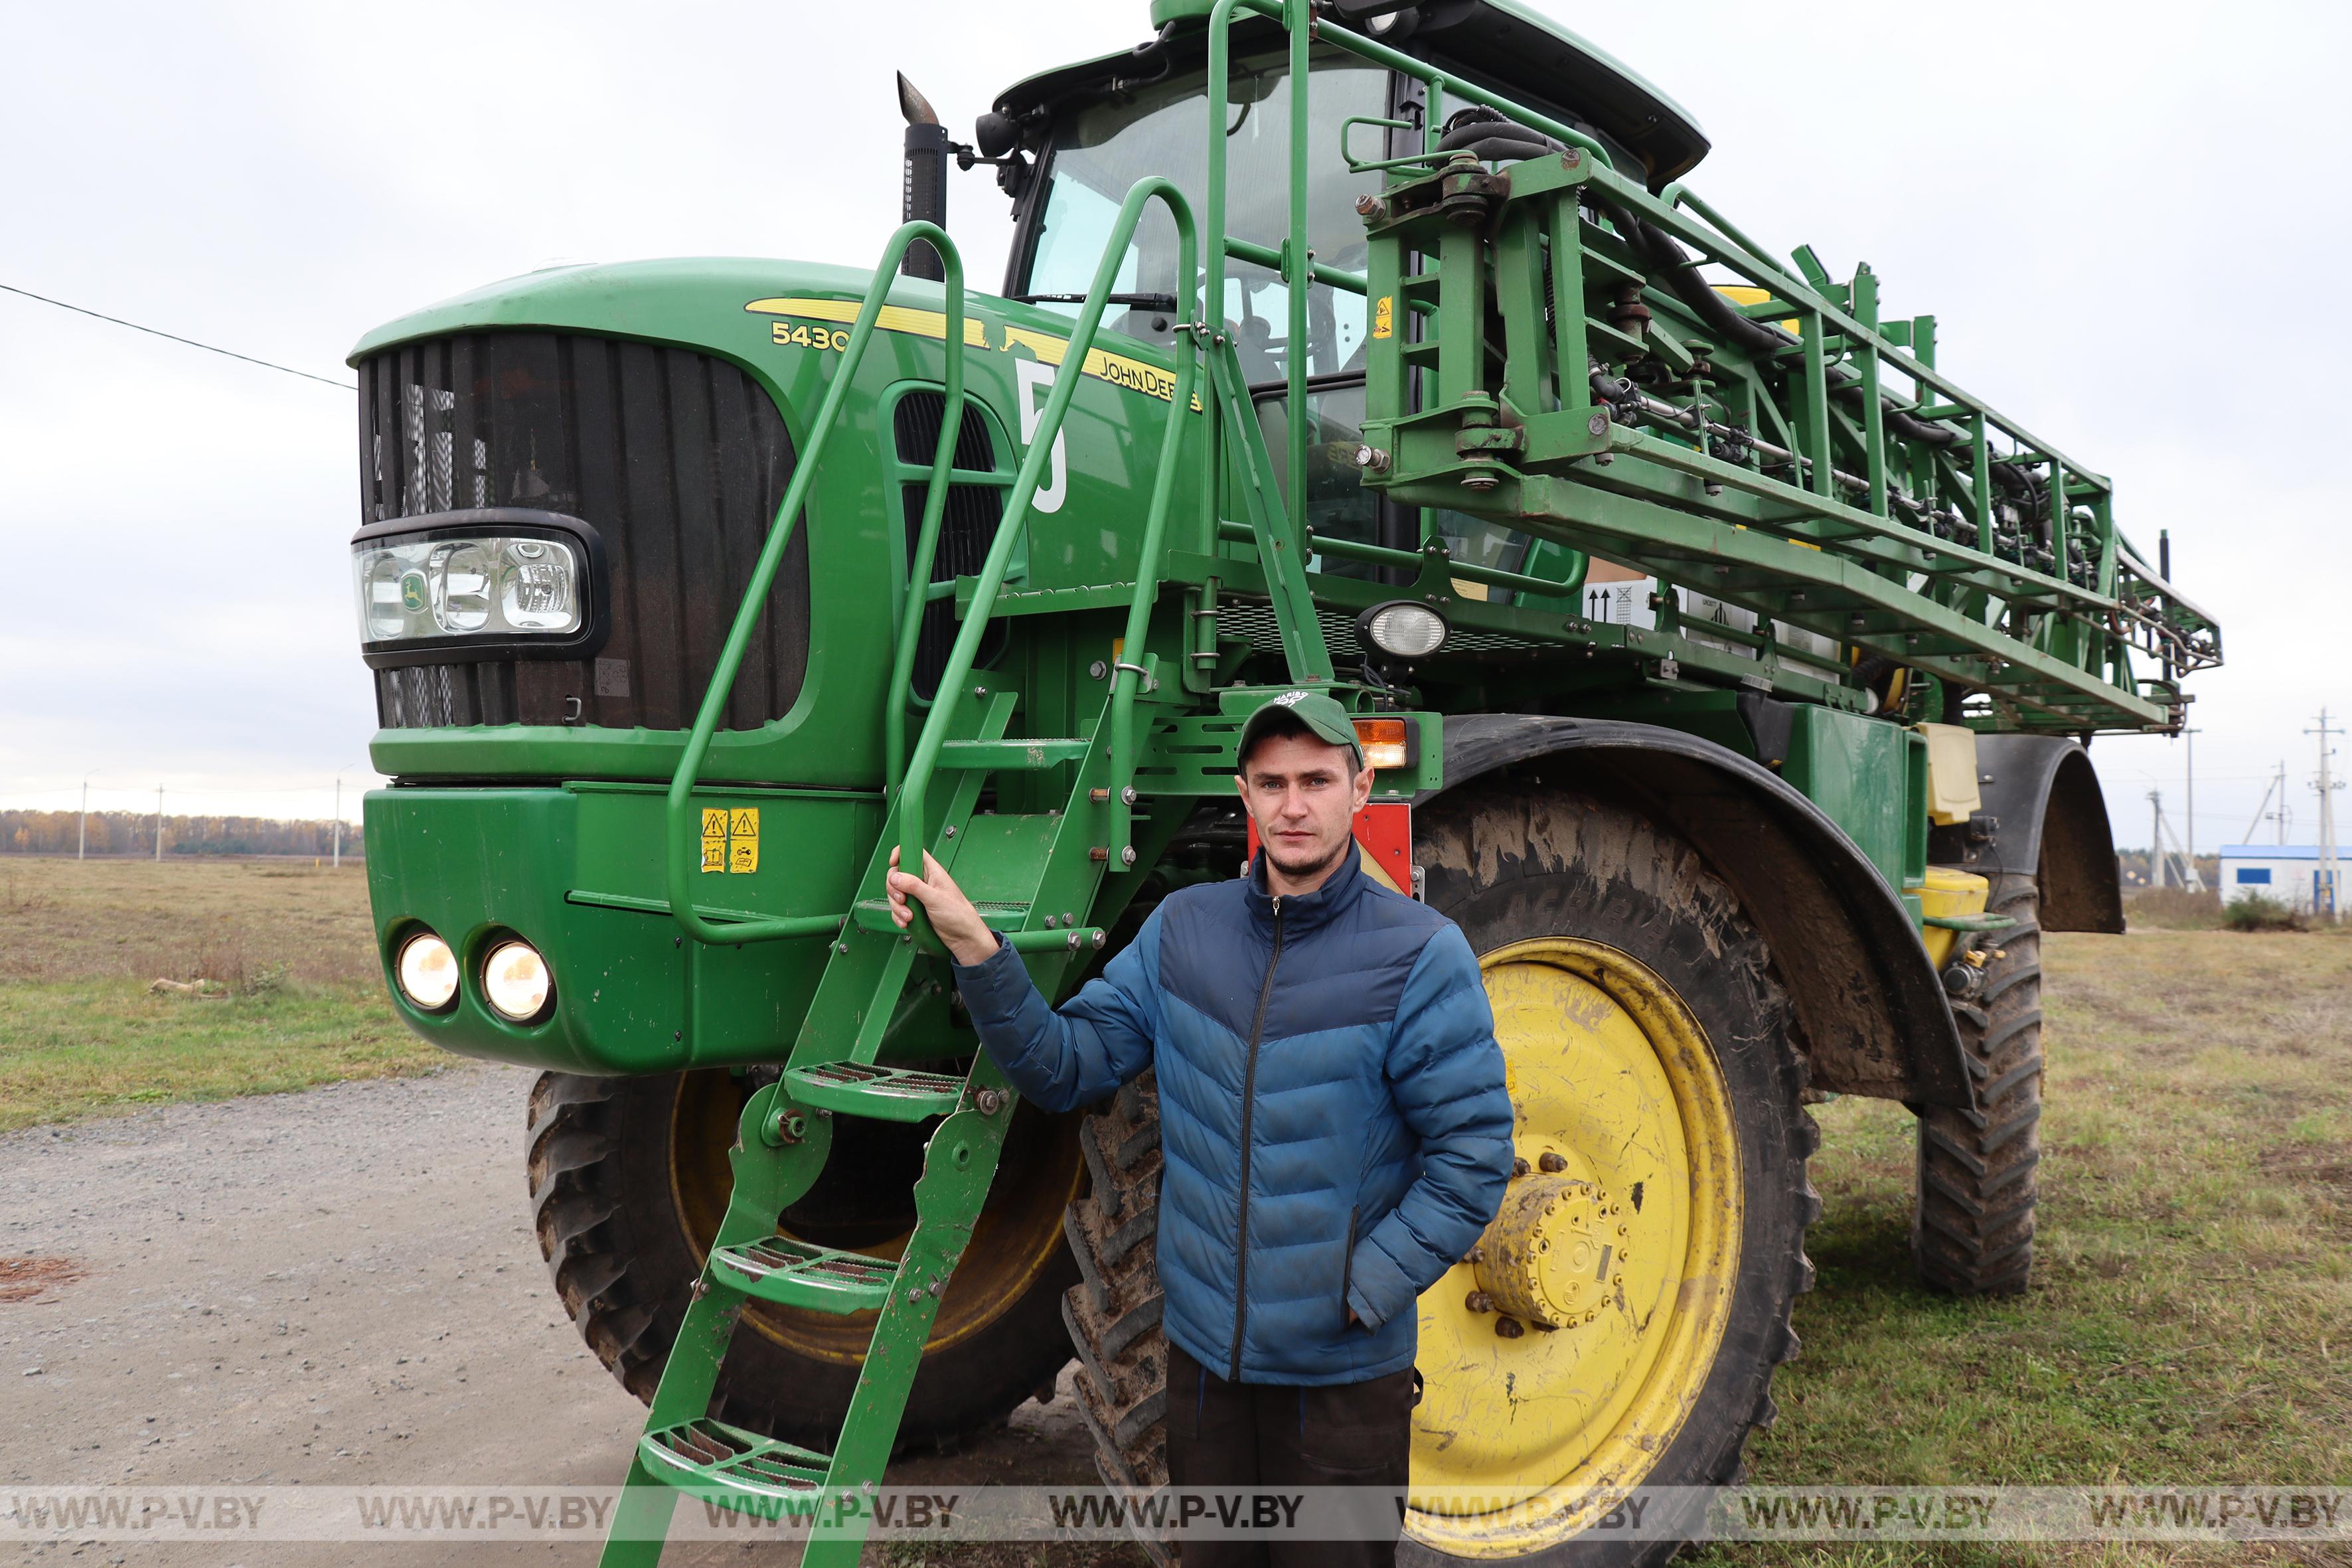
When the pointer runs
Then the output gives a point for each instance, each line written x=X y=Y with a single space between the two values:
x=208 y=348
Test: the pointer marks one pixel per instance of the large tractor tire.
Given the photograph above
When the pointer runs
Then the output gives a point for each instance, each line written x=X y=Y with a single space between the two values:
x=1663 y=1139
x=1973 y=1229
x=628 y=1181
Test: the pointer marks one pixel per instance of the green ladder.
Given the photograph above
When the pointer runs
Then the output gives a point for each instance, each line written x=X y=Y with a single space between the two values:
x=1024 y=872
x=1033 y=876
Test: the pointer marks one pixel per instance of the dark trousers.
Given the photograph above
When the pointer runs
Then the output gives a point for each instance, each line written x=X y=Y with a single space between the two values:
x=1279 y=1437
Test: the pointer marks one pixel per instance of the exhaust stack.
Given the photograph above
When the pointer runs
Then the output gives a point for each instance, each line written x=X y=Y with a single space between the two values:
x=923 y=186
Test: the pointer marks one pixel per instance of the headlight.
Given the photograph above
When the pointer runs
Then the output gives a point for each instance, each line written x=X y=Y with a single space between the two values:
x=428 y=971
x=1402 y=629
x=515 y=981
x=426 y=583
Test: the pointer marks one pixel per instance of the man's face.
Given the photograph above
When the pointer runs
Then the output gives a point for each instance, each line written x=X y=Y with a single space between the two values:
x=1303 y=791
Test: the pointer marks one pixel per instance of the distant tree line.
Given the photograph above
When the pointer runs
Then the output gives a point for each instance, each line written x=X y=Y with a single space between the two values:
x=130 y=833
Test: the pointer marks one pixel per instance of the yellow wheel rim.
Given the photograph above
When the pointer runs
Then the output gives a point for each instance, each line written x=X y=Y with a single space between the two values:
x=1623 y=1229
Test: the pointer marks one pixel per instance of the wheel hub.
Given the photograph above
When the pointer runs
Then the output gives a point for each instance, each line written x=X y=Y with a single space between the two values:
x=1554 y=1255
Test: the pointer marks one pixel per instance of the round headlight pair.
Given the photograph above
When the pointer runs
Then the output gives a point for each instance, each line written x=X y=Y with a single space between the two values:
x=515 y=978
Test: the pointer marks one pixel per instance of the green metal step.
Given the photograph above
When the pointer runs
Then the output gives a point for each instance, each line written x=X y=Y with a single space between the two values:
x=1013 y=755
x=736 y=1469
x=794 y=1273
x=886 y=1094
x=1001 y=914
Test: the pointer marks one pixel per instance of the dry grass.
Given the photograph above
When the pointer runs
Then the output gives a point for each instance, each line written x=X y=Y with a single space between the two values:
x=287 y=948
x=2172 y=909
x=226 y=921
x=2190 y=1318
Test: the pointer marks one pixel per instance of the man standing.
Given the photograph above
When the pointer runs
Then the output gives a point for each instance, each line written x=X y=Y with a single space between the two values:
x=1334 y=1124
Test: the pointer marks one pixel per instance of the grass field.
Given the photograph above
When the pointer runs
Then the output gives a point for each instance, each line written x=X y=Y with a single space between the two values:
x=287 y=945
x=2190 y=1318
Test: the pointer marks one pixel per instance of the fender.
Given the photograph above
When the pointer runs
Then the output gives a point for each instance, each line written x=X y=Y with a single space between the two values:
x=2044 y=817
x=1870 y=1011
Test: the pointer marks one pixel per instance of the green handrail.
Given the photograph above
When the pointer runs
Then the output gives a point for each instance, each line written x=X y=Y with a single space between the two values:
x=1128 y=672
x=913 y=819
x=920 y=587
x=680 y=818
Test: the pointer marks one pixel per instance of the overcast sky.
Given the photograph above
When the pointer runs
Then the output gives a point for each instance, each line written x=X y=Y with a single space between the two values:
x=2130 y=221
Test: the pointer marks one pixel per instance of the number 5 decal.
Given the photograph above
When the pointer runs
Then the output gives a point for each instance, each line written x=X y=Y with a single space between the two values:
x=1033 y=378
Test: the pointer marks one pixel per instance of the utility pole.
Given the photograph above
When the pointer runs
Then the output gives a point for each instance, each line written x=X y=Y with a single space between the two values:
x=2276 y=787
x=82 y=851
x=159 y=825
x=2156 y=838
x=338 y=823
x=2190 y=815
x=2330 y=874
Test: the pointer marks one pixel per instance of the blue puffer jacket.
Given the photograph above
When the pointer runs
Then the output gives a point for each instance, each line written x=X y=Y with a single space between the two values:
x=1333 y=1116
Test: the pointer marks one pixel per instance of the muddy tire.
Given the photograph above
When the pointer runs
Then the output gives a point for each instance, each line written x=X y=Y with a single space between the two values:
x=619 y=1173
x=1510 y=859
x=1112 y=1314
x=1972 y=1227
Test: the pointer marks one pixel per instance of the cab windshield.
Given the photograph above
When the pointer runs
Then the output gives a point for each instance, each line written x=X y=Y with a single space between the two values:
x=1101 y=149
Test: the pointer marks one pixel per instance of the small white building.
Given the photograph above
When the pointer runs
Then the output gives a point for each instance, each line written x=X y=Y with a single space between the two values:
x=2289 y=874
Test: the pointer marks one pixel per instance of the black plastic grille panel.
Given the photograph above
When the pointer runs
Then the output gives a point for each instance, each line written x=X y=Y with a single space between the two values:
x=677 y=459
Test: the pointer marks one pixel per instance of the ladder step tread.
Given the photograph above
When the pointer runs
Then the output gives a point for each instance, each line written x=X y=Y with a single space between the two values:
x=794 y=1273
x=884 y=1093
x=1001 y=914
x=736 y=1469
x=1013 y=755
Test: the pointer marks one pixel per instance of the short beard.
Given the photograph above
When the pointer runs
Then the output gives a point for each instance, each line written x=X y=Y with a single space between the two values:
x=1301 y=873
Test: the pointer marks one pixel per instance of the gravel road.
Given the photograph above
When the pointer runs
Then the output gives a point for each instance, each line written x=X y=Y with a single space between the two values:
x=335 y=1287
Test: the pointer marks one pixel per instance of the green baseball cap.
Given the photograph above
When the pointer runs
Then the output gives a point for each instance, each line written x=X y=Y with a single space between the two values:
x=1317 y=712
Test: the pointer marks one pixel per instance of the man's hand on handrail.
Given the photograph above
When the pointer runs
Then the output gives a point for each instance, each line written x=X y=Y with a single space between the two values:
x=959 y=925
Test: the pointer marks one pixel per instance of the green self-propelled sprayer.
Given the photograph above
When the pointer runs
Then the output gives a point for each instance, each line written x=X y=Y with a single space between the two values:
x=1729 y=668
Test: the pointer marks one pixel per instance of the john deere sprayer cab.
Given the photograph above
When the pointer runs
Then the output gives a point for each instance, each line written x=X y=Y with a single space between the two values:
x=1727 y=665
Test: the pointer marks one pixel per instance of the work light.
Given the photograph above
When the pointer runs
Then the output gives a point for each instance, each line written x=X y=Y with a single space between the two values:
x=1387 y=742
x=428 y=971
x=1402 y=629
x=515 y=981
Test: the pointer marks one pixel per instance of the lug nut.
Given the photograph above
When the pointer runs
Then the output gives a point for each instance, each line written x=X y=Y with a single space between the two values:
x=1509 y=1328
x=1480 y=1301
x=1551 y=1161
x=1518 y=1168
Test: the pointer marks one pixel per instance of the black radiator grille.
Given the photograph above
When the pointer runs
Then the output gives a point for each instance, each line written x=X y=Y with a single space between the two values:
x=678 y=460
x=967 y=525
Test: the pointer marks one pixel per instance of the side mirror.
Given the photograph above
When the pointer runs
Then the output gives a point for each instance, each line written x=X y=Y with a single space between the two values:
x=995 y=135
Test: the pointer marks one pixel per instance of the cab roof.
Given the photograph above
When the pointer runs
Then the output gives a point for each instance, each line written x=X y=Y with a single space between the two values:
x=1503 y=44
